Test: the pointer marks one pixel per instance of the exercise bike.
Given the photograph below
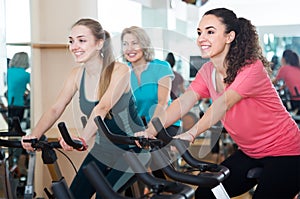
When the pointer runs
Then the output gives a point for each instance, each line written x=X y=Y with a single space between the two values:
x=9 y=173
x=211 y=174
x=161 y=188
x=59 y=186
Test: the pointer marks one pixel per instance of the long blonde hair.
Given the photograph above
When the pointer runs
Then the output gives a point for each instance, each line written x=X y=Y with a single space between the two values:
x=106 y=52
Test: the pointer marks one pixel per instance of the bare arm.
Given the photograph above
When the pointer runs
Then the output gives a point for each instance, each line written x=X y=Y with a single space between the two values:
x=181 y=87
x=120 y=83
x=176 y=110
x=163 y=96
x=213 y=114
x=55 y=111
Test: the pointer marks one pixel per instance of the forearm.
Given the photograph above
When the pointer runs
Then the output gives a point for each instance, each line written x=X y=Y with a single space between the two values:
x=176 y=110
x=158 y=112
x=46 y=122
x=210 y=118
x=215 y=112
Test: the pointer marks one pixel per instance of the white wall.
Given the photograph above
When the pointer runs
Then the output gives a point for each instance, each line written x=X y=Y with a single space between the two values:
x=2 y=48
x=276 y=16
x=3 y=124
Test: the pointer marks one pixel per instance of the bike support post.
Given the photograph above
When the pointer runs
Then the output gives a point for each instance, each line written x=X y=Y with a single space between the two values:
x=29 y=188
x=220 y=192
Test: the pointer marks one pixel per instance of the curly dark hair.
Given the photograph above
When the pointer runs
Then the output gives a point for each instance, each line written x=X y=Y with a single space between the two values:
x=245 y=48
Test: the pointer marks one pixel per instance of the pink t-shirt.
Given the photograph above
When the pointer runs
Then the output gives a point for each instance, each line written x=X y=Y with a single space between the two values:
x=291 y=77
x=259 y=123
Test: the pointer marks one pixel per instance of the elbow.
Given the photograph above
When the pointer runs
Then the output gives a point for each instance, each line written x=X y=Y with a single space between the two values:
x=101 y=111
x=56 y=110
x=227 y=107
x=163 y=104
x=229 y=99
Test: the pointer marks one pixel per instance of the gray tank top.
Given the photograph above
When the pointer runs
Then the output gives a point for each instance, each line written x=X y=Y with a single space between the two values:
x=124 y=121
x=86 y=106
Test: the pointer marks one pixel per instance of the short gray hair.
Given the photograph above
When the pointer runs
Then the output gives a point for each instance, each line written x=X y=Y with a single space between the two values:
x=20 y=60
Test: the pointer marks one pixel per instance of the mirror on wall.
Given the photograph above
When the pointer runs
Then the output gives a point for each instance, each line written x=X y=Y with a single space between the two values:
x=274 y=46
x=3 y=67
x=18 y=54
x=15 y=56
x=18 y=85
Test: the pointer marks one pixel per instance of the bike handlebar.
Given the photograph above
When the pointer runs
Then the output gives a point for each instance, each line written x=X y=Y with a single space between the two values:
x=99 y=182
x=217 y=171
x=76 y=144
x=11 y=143
x=214 y=175
x=43 y=143
x=123 y=139
x=158 y=185
x=35 y=143
x=161 y=188
x=203 y=179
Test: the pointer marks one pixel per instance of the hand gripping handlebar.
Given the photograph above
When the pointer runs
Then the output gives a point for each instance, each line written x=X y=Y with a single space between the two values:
x=43 y=143
x=210 y=174
x=161 y=187
x=122 y=139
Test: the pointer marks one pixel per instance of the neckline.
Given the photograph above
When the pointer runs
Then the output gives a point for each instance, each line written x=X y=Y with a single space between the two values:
x=82 y=88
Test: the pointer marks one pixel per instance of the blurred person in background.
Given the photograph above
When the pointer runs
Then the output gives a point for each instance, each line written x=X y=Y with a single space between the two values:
x=18 y=80
x=289 y=72
x=178 y=81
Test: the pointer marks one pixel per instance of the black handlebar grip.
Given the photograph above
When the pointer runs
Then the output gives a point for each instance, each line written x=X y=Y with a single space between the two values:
x=220 y=172
x=11 y=143
x=161 y=131
x=117 y=139
x=10 y=134
x=67 y=138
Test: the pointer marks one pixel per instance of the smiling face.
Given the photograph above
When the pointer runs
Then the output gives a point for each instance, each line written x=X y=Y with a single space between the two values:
x=212 y=39
x=83 y=44
x=132 y=49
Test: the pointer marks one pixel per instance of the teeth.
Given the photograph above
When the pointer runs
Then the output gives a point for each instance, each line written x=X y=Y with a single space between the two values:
x=78 y=53
x=204 y=47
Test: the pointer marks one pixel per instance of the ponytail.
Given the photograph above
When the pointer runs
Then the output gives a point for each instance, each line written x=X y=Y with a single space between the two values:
x=244 y=50
x=108 y=66
x=106 y=52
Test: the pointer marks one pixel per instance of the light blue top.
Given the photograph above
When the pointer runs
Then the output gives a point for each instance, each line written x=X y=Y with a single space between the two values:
x=146 y=93
x=17 y=79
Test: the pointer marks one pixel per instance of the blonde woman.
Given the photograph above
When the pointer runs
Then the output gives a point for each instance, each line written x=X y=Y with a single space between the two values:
x=104 y=90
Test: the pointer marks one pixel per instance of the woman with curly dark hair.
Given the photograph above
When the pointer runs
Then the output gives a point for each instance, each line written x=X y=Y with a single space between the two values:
x=245 y=101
